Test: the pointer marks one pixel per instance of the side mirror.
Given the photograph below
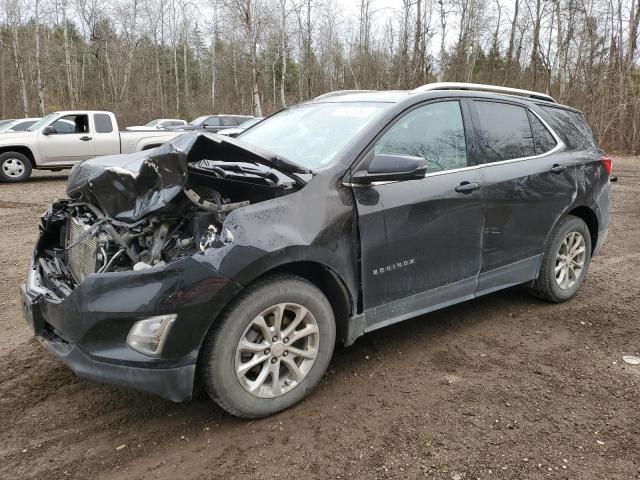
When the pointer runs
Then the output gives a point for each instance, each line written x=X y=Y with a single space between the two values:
x=392 y=168
x=49 y=130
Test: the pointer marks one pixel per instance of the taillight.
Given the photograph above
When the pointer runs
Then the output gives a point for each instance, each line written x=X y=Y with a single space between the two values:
x=607 y=163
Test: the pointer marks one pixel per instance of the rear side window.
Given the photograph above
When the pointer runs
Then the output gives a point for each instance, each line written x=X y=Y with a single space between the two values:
x=434 y=132
x=542 y=138
x=212 y=122
x=103 y=123
x=502 y=132
x=21 y=127
x=571 y=126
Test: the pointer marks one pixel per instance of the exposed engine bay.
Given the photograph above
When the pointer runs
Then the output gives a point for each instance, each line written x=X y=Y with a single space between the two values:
x=132 y=212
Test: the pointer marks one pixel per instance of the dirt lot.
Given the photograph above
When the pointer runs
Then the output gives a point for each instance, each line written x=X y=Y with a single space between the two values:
x=504 y=387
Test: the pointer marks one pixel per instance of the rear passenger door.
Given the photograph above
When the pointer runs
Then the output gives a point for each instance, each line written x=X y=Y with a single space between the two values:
x=529 y=184
x=421 y=240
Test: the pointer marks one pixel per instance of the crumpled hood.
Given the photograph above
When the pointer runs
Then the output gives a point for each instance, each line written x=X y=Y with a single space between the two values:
x=129 y=187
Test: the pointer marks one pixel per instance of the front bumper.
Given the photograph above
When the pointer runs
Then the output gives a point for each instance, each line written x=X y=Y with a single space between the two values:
x=87 y=330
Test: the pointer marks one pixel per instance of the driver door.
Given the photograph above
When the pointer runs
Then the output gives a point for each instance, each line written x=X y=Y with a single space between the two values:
x=71 y=142
x=421 y=240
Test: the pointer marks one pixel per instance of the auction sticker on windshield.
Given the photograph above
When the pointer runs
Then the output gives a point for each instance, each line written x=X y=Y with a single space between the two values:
x=356 y=112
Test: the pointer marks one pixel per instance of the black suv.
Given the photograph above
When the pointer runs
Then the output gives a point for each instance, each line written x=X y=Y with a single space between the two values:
x=238 y=263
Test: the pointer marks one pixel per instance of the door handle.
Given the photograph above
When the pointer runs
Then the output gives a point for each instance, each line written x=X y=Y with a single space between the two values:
x=557 y=168
x=467 y=187
x=85 y=138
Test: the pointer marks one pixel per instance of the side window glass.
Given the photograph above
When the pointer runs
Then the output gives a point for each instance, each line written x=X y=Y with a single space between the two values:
x=103 y=123
x=571 y=126
x=72 y=124
x=212 y=122
x=502 y=132
x=434 y=132
x=542 y=138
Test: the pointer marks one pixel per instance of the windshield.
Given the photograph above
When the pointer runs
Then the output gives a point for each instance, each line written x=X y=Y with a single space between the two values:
x=312 y=134
x=4 y=126
x=199 y=120
x=250 y=123
x=152 y=123
x=41 y=122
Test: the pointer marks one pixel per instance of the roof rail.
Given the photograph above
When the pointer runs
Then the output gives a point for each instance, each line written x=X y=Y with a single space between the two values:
x=482 y=87
x=337 y=93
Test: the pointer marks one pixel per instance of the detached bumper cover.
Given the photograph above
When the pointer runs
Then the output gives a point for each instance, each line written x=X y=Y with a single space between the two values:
x=87 y=330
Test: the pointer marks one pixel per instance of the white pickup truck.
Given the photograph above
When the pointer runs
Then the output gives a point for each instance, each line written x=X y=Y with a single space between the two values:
x=62 y=139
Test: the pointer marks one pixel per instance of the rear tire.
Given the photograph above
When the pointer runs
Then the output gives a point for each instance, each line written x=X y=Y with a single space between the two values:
x=284 y=326
x=565 y=261
x=14 y=167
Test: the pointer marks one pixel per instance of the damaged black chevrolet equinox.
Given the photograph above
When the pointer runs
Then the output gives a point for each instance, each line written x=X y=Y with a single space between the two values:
x=237 y=264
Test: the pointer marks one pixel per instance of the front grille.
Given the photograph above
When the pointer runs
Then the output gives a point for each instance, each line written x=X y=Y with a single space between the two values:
x=82 y=257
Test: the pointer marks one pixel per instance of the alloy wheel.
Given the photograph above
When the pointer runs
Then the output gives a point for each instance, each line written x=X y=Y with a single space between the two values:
x=570 y=260
x=277 y=350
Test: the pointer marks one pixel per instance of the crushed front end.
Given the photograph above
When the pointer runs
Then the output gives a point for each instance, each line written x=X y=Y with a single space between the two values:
x=120 y=288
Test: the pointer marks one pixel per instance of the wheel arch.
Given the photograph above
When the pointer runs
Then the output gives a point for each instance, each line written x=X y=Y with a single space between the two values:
x=589 y=217
x=24 y=150
x=323 y=277
x=329 y=282
x=320 y=275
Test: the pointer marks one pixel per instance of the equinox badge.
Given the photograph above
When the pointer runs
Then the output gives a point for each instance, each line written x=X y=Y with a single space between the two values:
x=394 y=266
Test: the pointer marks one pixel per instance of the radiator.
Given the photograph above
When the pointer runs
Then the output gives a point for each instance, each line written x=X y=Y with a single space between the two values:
x=82 y=257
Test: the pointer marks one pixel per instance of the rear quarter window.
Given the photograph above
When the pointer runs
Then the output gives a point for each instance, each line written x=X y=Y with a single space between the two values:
x=103 y=123
x=571 y=126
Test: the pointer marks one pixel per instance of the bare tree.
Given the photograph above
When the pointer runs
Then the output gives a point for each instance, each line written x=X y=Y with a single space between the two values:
x=39 y=82
x=14 y=16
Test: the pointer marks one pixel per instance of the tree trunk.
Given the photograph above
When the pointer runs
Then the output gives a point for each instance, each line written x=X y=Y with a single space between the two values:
x=443 y=28
x=418 y=55
x=3 y=93
x=39 y=83
x=283 y=52
x=22 y=84
x=67 y=60
x=185 y=73
x=512 y=37
x=177 y=78
x=309 y=52
x=535 y=48
x=633 y=31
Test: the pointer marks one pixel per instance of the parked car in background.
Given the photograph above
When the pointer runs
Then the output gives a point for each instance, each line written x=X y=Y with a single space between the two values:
x=18 y=125
x=242 y=262
x=235 y=131
x=214 y=123
x=158 y=124
x=63 y=139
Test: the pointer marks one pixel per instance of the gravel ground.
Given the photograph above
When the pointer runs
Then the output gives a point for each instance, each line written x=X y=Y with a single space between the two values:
x=504 y=386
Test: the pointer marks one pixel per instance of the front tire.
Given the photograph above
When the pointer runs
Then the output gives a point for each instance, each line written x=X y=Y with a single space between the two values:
x=565 y=261
x=14 y=167
x=270 y=348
